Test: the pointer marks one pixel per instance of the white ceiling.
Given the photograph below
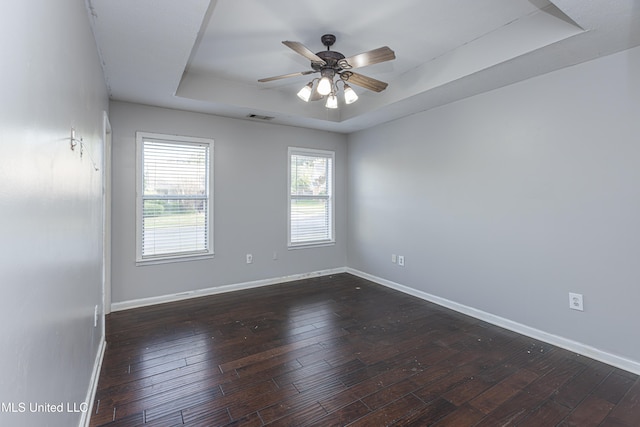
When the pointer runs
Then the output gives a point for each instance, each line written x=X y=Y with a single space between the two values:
x=207 y=55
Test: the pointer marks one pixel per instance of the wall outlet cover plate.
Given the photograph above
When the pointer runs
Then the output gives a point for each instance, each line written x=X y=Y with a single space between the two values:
x=575 y=301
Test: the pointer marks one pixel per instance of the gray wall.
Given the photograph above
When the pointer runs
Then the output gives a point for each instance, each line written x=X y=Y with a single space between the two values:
x=507 y=201
x=50 y=207
x=250 y=203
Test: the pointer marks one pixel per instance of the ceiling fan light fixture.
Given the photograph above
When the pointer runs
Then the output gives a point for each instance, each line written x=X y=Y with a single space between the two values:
x=330 y=64
x=332 y=101
x=325 y=86
x=305 y=92
x=350 y=95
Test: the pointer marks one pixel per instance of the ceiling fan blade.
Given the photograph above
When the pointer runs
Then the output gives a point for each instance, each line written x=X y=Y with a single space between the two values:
x=304 y=51
x=315 y=96
x=284 y=76
x=374 y=56
x=363 y=81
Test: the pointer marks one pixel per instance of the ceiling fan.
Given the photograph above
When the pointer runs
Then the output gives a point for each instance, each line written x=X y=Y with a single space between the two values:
x=332 y=63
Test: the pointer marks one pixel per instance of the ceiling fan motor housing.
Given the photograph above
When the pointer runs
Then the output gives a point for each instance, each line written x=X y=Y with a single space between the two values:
x=330 y=57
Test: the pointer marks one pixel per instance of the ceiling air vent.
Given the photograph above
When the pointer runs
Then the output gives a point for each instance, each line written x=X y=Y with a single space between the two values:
x=259 y=117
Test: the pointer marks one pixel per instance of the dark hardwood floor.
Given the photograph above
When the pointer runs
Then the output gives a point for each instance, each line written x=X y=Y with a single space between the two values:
x=339 y=350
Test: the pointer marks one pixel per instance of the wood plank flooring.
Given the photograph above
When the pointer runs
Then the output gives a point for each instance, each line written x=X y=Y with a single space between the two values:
x=339 y=350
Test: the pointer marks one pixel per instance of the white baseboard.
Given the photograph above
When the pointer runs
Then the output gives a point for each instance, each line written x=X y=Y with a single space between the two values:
x=143 y=302
x=93 y=384
x=567 y=344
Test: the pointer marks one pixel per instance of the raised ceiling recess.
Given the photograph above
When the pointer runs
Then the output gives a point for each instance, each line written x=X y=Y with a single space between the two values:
x=207 y=55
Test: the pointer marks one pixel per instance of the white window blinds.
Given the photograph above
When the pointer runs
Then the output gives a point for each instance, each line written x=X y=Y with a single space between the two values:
x=174 y=197
x=310 y=197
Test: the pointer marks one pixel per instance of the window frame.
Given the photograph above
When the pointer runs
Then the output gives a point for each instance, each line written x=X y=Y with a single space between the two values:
x=141 y=137
x=311 y=152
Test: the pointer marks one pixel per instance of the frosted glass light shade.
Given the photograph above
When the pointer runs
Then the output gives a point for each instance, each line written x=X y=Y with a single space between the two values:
x=332 y=101
x=350 y=95
x=324 y=87
x=305 y=92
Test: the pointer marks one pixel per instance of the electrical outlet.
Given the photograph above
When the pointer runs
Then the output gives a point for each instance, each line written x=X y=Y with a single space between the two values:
x=401 y=260
x=95 y=317
x=575 y=302
x=249 y=258
x=394 y=258
x=275 y=255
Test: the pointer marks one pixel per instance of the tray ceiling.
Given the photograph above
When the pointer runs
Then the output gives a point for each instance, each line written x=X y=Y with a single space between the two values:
x=206 y=56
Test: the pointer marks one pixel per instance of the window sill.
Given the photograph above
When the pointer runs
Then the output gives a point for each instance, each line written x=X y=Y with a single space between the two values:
x=168 y=260
x=310 y=245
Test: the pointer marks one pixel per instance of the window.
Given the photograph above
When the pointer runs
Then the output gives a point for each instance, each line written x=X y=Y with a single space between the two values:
x=310 y=197
x=174 y=208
